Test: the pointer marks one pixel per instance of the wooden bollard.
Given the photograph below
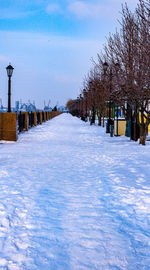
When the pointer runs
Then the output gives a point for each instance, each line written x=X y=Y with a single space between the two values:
x=26 y=120
x=1 y=126
x=40 y=118
x=35 y=119
x=44 y=116
x=8 y=126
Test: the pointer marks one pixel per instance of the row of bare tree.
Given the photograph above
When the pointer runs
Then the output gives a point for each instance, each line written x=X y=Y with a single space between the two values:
x=121 y=74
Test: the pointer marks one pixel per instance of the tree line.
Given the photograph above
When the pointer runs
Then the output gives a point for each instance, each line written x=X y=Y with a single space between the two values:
x=121 y=74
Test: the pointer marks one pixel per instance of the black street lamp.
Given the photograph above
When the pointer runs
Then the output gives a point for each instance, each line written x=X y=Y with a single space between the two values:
x=78 y=102
x=9 y=73
x=105 y=67
x=85 y=99
x=92 y=91
x=109 y=120
x=81 y=107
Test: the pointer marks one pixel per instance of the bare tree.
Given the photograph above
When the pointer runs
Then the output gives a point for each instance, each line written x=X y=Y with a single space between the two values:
x=126 y=82
x=130 y=48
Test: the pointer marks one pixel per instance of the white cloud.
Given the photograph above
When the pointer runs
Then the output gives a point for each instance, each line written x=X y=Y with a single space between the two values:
x=3 y=59
x=52 y=8
x=45 y=66
x=86 y=10
x=80 y=9
x=108 y=9
x=14 y=14
x=125 y=1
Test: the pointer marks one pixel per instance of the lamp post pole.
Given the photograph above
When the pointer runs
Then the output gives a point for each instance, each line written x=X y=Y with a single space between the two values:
x=117 y=120
x=105 y=67
x=9 y=73
x=92 y=90
x=110 y=103
x=78 y=107
x=9 y=94
x=81 y=106
x=109 y=120
x=117 y=65
x=85 y=100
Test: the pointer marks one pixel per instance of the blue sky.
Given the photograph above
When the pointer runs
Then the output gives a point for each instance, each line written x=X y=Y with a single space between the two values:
x=51 y=43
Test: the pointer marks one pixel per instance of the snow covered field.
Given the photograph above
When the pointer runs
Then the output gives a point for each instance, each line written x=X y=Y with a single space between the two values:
x=73 y=198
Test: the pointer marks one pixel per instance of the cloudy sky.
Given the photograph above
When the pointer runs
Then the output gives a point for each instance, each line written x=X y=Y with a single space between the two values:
x=50 y=44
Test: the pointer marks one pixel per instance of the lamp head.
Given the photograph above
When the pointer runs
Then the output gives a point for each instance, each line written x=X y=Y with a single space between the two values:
x=9 y=70
x=105 y=66
x=117 y=66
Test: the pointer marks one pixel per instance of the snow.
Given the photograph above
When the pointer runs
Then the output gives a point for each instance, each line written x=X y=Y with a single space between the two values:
x=72 y=197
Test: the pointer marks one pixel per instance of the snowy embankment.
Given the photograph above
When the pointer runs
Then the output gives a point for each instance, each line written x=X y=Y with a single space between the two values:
x=71 y=197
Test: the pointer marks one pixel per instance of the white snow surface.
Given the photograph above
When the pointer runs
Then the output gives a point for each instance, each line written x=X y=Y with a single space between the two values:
x=72 y=197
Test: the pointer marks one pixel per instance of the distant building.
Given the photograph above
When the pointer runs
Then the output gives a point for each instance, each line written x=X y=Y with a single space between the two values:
x=17 y=106
x=47 y=108
x=62 y=109
x=28 y=107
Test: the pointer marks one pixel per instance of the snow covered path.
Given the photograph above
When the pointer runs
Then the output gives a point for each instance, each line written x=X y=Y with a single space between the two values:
x=72 y=198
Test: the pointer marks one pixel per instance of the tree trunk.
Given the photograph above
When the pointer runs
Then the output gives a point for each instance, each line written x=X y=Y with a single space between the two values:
x=103 y=122
x=99 y=120
x=93 y=116
x=143 y=132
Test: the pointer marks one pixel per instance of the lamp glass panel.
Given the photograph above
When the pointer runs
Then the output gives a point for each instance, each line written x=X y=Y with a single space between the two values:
x=9 y=70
